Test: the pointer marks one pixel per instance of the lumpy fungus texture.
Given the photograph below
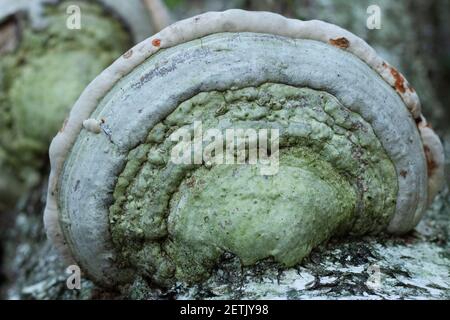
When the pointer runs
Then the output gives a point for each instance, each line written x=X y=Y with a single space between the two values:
x=173 y=222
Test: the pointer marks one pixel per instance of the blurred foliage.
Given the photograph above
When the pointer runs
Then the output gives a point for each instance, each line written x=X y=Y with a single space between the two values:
x=171 y=4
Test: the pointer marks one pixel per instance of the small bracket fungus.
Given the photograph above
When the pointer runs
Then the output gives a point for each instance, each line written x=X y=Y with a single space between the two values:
x=352 y=159
x=44 y=66
x=132 y=12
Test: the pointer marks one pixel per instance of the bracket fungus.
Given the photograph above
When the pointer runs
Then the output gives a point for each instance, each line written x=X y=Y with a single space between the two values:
x=44 y=67
x=355 y=154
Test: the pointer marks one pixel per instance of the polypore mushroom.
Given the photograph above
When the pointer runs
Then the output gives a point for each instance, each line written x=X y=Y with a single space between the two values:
x=44 y=70
x=351 y=156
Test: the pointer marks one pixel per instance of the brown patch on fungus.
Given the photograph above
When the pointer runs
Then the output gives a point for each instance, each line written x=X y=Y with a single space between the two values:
x=342 y=43
x=156 y=42
x=431 y=164
x=399 y=80
x=404 y=173
x=128 y=54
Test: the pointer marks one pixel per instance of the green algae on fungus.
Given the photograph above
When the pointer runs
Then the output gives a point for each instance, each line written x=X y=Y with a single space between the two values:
x=44 y=76
x=175 y=221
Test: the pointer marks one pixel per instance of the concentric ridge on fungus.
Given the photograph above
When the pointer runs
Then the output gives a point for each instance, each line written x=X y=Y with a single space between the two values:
x=168 y=207
x=351 y=135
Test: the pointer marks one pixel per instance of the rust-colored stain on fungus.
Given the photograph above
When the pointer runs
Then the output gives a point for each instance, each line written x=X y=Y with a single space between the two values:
x=399 y=80
x=156 y=42
x=342 y=43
